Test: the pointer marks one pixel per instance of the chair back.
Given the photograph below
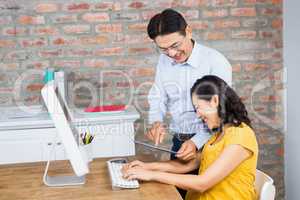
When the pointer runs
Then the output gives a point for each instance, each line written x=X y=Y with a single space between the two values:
x=264 y=186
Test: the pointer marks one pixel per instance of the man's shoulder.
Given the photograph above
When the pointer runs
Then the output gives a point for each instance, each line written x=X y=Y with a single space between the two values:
x=206 y=51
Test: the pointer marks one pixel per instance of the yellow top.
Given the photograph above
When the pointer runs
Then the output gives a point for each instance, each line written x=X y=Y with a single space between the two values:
x=239 y=184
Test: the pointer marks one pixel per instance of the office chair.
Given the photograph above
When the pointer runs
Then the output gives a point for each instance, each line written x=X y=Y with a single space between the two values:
x=264 y=186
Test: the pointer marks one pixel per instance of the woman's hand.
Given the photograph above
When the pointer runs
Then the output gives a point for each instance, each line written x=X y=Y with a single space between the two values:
x=137 y=170
x=137 y=164
x=138 y=173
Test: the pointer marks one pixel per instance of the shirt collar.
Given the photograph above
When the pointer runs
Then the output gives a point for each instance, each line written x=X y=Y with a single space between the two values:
x=192 y=60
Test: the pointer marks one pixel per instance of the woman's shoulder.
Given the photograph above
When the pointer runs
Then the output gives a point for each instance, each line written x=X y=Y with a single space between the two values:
x=243 y=130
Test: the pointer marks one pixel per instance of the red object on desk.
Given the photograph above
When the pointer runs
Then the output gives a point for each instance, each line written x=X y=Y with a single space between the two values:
x=107 y=108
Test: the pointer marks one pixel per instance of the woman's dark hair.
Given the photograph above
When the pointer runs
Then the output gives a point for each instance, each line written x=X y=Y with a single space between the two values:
x=231 y=109
x=166 y=22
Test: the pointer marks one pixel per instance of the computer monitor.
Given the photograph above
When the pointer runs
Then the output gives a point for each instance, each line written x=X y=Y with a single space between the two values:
x=59 y=113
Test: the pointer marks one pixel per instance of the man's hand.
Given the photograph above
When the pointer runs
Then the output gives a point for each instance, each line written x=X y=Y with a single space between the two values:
x=187 y=151
x=157 y=132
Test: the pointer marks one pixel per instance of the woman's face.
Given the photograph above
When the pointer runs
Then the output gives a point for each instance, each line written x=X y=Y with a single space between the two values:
x=207 y=110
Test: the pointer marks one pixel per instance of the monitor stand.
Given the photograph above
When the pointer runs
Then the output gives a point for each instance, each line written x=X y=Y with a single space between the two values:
x=59 y=181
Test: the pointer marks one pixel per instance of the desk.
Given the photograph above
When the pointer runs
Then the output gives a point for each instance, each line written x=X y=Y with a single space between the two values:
x=24 y=182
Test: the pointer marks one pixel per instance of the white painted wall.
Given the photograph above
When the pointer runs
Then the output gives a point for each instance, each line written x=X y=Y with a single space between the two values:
x=292 y=63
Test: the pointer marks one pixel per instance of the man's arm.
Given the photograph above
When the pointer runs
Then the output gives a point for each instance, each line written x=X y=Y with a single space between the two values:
x=157 y=99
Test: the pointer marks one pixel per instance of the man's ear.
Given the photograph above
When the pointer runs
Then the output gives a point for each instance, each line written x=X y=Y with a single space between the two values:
x=214 y=102
x=188 y=32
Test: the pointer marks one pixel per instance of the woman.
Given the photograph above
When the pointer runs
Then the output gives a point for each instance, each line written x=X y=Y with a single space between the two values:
x=228 y=160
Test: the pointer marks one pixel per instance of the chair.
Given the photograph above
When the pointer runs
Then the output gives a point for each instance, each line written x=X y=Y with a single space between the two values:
x=264 y=186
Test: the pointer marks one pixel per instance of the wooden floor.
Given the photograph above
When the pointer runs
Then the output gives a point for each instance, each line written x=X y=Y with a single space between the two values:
x=24 y=182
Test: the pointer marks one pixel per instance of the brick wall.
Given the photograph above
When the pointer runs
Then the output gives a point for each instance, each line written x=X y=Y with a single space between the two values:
x=104 y=45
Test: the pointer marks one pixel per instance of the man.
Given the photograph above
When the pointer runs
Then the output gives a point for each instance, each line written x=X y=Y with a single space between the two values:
x=181 y=63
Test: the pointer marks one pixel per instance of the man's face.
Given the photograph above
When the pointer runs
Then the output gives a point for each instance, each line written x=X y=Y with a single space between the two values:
x=175 y=45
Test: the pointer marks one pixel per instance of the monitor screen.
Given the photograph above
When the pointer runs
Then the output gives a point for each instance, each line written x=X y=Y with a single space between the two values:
x=61 y=118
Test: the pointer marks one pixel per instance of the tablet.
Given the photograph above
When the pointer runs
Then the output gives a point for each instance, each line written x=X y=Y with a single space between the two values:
x=151 y=146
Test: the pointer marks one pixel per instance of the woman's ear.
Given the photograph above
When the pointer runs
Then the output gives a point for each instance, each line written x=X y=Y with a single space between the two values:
x=214 y=102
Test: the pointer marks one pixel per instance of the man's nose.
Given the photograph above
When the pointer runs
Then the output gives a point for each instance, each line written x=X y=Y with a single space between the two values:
x=172 y=52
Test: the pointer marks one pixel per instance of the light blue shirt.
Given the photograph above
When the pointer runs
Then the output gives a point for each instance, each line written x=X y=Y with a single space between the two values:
x=170 y=92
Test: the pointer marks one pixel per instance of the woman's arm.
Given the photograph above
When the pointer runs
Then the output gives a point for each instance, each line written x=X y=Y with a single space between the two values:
x=176 y=166
x=171 y=166
x=230 y=158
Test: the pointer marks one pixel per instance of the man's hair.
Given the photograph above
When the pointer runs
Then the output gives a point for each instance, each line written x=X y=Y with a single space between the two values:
x=166 y=22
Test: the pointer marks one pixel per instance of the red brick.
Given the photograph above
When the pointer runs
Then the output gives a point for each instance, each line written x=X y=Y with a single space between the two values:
x=191 y=14
x=108 y=28
x=48 y=30
x=132 y=39
x=46 y=8
x=38 y=42
x=8 y=66
x=77 y=7
x=109 y=51
x=215 y=13
x=50 y=53
x=236 y=67
x=274 y=56
x=15 y=31
x=233 y=23
x=137 y=5
x=77 y=52
x=126 y=62
x=199 y=25
x=142 y=71
x=214 y=36
x=266 y=34
x=31 y=20
x=276 y=2
x=270 y=98
x=92 y=40
x=244 y=34
x=270 y=11
x=240 y=12
x=67 y=63
x=106 y=6
x=126 y=16
x=255 y=66
x=140 y=50
x=277 y=23
x=257 y=1
x=191 y=3
x=35 y=64
x=95 y=17
x=84 y=40
x=96 y=63
x=223 y=2
x=138 y=27
x=76 y=29
x=34 y=87
x=60 y=19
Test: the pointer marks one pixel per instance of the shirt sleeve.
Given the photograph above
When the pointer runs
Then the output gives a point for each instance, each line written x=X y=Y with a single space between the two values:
x=201 y=138
x=157 y=97
x=243 y=136
x=221 y=67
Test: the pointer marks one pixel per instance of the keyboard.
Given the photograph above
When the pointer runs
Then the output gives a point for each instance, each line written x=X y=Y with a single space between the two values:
x=117 y=181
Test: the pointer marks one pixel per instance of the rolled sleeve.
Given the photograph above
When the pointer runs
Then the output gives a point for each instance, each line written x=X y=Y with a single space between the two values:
x=201 y=138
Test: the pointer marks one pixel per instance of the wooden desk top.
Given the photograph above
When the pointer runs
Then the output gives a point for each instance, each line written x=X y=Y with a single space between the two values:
x=24 y=181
